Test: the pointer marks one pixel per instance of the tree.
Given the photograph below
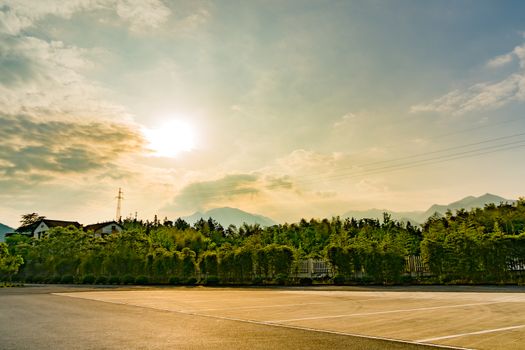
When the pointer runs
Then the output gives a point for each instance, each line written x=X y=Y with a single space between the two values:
x=28 y=219
x=9 y=263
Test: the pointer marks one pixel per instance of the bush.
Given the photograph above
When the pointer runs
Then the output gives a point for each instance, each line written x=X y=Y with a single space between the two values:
x=114 y=280
x=211 y=281
x=38 y=279
x=88 y=279
x=67 y=279
x=191 y=281
x=142 y=280
x=406 y=279
x=101 y=280
x=281 y=279
x=55 y=279
x=306 y=281
x=29 y=279
x=257 y=281
x=339 y=280
x=128 y=279
x=174 y=280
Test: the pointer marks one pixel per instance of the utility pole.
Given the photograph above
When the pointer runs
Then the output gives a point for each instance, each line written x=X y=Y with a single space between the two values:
x=119 y=204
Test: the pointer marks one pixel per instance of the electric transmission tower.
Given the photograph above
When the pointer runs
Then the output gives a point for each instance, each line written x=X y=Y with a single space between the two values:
x=119 y=203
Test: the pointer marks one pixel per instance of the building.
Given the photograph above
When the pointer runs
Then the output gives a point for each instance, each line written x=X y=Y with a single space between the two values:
x=104 y=228
x=39 y=228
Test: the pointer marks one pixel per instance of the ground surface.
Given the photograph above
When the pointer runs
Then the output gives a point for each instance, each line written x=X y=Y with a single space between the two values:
x=260 y=318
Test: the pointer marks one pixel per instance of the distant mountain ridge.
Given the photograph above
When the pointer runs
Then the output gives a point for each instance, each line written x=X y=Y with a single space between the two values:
x=230 y=216
x=467 y=203
x=419 y=217
x=3 y=230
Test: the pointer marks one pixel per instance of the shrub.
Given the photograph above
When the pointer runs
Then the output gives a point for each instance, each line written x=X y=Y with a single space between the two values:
x=257 y=281
x=88 y=279
x=281 y=279
x=306 y=281
x=406 y=279
x=29 y=279
x=128 y=279
x=339 y=280
x=142 y=280
x=67 y=279
x=174 y=280
x=101 y=280
x=114 y=280
x=55 y=279
x=191 y=281
x=38 y=279
x=211 y=281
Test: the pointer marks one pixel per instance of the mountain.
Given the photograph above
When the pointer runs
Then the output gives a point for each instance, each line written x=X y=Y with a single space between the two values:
x=416 y=217
x=467 y=203
x=230 y=216
x=3 y=230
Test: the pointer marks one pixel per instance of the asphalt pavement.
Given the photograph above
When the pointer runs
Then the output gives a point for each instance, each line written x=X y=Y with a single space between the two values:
x=33 y=318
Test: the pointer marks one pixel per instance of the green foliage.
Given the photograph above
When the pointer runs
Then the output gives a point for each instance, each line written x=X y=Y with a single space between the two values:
x=142 y=280
x=54 y=279
x=67 y=279
x=88 y=279
x=339 y=280
x=483 y=245
x=306 y=281
x=476 y=246
x=281 y=279
x=191 y=281
x=128 y=279
x=114 y=280
x=211 y=281
x=101 y=280
x=174 y=280
x=9 y=263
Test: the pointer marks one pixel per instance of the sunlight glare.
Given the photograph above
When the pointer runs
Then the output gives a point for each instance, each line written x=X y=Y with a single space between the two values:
x=170 y=139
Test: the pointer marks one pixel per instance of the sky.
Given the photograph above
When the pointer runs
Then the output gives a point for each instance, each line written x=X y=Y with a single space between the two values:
x=288 y=109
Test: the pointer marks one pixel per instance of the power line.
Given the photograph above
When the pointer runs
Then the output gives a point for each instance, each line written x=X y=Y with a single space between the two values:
x=218 y=193
x=429 y=161
x=418 y=155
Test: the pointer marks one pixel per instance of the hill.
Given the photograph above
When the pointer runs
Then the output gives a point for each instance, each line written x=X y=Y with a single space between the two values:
x=418 y=217
x=3 y=230
x=467 y=203
x=230 y=216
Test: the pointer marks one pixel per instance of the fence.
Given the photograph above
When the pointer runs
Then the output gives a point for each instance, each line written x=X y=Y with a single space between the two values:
x=312 y=268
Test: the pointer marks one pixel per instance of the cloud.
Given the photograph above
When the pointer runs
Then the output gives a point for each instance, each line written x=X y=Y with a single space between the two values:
x=279 y=182
x=501 y=60
x=32 y=152
x=485 y=95
x=200 y=195
x=143 y=13
x=17 y=15
x=45 y=78
x=344 y=120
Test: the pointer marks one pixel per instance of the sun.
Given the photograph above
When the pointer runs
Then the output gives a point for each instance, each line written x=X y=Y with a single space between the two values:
x=171 y=138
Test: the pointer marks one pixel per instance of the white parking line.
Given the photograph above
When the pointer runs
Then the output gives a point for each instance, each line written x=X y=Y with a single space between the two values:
x=254 y=307
x=383 y=312
x=338 y=302
x=470 y=333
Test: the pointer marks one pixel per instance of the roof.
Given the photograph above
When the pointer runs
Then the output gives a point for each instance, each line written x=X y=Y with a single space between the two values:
x=98 y=226
x=49 y=223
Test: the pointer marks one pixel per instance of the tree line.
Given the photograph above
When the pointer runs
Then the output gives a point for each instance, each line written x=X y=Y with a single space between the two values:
x=479 y=246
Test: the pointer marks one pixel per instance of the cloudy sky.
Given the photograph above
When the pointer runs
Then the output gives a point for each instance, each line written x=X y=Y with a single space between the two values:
x=288 y=109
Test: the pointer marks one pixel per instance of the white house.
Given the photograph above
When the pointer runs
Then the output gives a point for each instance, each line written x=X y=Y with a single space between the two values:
x=39 y=228
x=104 y=228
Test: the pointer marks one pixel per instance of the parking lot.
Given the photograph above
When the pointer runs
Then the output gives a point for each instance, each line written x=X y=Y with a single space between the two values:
x=468 y=317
